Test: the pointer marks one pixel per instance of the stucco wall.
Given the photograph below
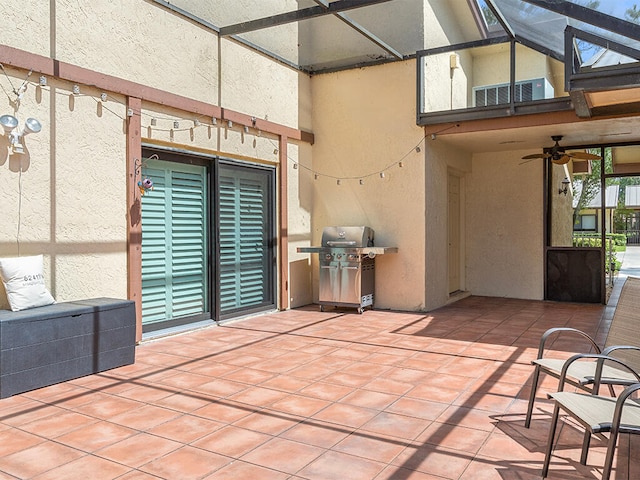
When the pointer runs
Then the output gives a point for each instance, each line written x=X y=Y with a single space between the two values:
x=74 y=179
x=504 y=222
x=359 y=133
x=441 y=159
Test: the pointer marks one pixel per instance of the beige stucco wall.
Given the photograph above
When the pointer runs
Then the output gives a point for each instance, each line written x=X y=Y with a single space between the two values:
x=504 y=223
x=441 y=159
x=359 y=133
x=74 y=181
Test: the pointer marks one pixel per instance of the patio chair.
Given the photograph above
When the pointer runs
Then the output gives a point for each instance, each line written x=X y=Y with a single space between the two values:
x=623 y=342
x=598 y=414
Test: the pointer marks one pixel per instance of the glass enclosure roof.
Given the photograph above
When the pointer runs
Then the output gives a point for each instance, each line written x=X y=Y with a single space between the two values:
x=326 y=35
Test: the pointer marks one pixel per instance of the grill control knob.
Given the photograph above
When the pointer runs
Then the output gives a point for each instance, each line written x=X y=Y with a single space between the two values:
x=328 y=256
x=338 y=256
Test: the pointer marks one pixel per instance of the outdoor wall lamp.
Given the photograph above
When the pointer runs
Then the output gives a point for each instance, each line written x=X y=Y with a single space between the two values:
x=9 y=124
x=564 y=187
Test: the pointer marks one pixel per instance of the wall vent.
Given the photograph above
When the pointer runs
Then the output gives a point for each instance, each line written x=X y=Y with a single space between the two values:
x=525 y=91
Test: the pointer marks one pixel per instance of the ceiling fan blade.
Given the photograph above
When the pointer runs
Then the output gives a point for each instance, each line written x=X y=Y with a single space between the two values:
x=536 y=155
x=564 y=159
x=584 y=156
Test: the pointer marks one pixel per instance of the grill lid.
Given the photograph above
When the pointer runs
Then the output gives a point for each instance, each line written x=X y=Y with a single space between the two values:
x=354 y=236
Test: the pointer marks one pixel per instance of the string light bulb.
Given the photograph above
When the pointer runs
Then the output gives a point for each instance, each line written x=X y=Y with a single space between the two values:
x=400 y=164
x=361 y=182
x=418 y=149
x=295 y=166
x=154 y=122
x=381 y=174
x=338 y=182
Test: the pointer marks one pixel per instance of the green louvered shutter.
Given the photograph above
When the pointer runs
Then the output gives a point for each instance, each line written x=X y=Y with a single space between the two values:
x=174 y=242
x=245 y=218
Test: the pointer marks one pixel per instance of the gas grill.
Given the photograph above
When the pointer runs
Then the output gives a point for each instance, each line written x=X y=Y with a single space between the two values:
x=347 y=266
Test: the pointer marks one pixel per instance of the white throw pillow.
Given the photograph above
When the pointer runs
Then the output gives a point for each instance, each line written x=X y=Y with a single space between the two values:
x=23 y=280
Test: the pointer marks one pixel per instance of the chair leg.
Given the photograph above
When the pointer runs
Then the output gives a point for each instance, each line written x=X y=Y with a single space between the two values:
x=611 y=448
x=552 y=434
x=532 y=397
x=585 y=447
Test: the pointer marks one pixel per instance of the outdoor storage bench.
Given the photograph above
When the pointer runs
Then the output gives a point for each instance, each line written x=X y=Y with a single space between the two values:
x=51 y=344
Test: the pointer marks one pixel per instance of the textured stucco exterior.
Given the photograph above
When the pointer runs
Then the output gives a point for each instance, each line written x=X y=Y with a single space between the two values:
x=504 y=220
x=359 y=135
x=73 y=206
x=70 y=196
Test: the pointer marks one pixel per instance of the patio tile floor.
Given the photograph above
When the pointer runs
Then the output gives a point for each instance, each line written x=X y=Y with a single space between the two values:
x=304 y=394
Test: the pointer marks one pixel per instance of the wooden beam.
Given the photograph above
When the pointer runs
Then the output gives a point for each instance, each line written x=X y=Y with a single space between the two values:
x=283 y=220
x=134 y=210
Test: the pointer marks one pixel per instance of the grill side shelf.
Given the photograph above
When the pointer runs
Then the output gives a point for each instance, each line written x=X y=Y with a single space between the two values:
x=355 y=250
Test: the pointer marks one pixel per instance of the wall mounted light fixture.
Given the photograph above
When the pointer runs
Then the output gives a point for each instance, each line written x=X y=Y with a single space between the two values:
x=9 y=124
x=564 y=188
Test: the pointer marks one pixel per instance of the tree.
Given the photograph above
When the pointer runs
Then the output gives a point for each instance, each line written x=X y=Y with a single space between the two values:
x=632 y=14
x=588 y=186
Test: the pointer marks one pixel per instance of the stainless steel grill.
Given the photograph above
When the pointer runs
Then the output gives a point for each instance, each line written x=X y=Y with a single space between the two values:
x=347 y=266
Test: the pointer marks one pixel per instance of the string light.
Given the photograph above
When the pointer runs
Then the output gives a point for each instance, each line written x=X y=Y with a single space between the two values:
x=214 y=121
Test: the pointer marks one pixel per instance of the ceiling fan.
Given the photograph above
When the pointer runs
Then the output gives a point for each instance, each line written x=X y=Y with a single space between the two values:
x=559 y=156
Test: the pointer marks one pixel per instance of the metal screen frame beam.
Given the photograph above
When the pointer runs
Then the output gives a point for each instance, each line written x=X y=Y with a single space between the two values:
x=296 y=16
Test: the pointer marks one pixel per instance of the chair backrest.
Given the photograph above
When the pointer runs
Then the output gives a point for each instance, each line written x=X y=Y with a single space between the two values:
x=625 y=325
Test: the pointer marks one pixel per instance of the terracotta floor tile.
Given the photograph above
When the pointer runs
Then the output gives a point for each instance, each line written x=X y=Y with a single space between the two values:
x=108 y=407
x=348 y=415
x=366 y=445
x=386 y=385
x=55 y=425
x=88 y=466
x=94 y=436
x=324 y=435
x=333 y=465
x=395 y=425
x=184 y=402
x=369 y=399
x=269 y=422
x=393 y=473
x=37 y=459
x=309 y=395
x=145 y=417
x=433 y=393
x=138 y=450
x=422 y=409
x=186 y=428
x=453 y=437
x=240 y=470
x=13 y=440
x=283 y=455
x=326 y=391
x=186 y=463
x=434 y=461
x=232 y=441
